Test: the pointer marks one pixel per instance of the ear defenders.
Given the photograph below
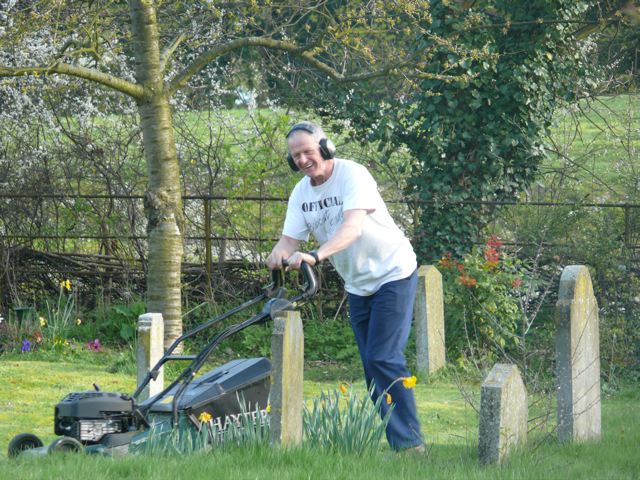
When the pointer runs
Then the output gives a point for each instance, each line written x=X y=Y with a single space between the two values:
x=326 y=146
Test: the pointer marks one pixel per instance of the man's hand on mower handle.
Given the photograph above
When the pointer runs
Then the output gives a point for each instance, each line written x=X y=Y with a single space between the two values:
x=295 y=260
x=282 y=251
x=275 y=261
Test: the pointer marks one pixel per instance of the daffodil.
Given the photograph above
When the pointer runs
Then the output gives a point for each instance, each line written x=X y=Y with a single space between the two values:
x=65 y=284
x=388 y=398
x=268 y=409
x=78 y=321
x=409 y=382
x=343 y=389
x=43 y=321
x=205 y=417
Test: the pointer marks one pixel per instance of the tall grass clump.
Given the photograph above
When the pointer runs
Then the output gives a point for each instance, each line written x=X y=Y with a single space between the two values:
x=249 y=427
x=343 y=421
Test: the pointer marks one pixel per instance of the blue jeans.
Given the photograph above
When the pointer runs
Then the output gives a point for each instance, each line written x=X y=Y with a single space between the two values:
x=381 y=323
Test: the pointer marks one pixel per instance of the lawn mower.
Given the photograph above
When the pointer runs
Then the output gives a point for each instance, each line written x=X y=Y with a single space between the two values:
x=115 y=423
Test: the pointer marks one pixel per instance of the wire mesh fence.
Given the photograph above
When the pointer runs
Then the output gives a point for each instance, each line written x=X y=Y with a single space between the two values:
x=101 y=239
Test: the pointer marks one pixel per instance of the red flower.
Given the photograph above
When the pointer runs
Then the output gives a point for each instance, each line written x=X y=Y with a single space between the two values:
x=467 y=280
x=446 y=262
x=491 y=253
x=494 y=242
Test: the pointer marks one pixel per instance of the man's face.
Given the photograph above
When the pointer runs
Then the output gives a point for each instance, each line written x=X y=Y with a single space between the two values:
x=305 y=150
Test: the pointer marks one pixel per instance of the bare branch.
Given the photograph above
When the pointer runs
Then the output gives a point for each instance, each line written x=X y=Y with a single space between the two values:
x=92 y=75
x=169 y=51
x=400 y=69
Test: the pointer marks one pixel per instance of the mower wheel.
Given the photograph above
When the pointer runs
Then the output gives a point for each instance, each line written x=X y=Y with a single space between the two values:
x=22 y=442
x=66 y=445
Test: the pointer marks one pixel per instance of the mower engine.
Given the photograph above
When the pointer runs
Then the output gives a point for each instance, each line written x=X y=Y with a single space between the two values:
x=89 y=416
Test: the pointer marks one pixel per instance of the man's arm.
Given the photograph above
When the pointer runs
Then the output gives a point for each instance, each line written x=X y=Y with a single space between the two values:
x=283 y=250
x=348 y=231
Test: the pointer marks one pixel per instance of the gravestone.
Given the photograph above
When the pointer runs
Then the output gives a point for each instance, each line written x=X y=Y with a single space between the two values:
x=503 y=414
x=287 y=352
x=428 y=312
x=577 y=357
x=150 y=350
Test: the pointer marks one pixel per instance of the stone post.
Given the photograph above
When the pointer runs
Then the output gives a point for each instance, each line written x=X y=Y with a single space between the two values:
x=150 y=350
x=287 y=351
x=429 y=320
x=577 y=357
x=503 y=414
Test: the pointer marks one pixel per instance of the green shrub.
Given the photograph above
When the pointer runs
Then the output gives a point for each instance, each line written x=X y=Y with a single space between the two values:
x=330 y=340
x=117 y=324
x=481 y=297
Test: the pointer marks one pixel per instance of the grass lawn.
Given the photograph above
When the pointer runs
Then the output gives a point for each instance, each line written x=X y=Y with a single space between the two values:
x=30 y=389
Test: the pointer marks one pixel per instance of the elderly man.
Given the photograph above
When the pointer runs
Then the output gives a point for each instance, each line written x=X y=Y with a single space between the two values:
x=338 y=202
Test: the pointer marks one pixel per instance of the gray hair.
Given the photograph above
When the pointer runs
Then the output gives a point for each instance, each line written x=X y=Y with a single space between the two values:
x=311 y=128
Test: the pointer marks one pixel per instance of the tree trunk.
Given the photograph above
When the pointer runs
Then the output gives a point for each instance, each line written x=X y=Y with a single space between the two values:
x=163 y=202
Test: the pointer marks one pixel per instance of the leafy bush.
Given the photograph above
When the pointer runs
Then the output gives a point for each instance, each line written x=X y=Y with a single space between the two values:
x=330 y=340
x=117 y=323
x=481 y=297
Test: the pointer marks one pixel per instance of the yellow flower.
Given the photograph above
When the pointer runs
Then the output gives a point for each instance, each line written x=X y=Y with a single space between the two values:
x=43 y=321
x=343 y=389
x=65 y=284
x=205 y=417
x=61 y=342
x=409 y=382
x=78 y=321
x=389 y=399
x=268 y=409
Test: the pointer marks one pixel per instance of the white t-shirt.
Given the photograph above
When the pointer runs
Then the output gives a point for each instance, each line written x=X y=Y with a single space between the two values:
x=380 y=255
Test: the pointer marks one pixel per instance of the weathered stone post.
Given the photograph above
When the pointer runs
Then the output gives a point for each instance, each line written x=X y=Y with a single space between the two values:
x=287 y=351
x=150 y=350
x=577 y=357
x=428 y=312
x=503 y=414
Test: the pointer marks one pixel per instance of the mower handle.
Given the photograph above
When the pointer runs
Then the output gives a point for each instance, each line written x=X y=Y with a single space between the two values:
x=275 y=291
x=276 y=288
x=310 y=286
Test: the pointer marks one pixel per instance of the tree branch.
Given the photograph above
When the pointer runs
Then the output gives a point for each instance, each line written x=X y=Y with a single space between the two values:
x=115 y=83
x=168 y=52
x=397 y=69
